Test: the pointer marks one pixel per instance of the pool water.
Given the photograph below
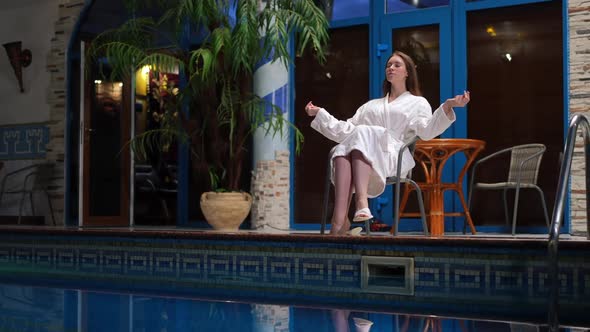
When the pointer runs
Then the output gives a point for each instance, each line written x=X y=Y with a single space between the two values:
x=34 y=308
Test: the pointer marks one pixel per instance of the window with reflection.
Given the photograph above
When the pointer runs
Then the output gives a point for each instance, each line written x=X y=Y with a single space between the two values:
x=422 y=44
x=341 y=86
x=345 y=9
x=396 y=6
x=105 y=165
x=155 y=166
x=515 y=75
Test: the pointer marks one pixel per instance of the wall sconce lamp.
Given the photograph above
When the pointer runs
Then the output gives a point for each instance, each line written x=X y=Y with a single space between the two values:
x=18 y=59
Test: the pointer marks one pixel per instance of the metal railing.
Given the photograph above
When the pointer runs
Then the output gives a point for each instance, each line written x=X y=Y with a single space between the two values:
x=557 y=218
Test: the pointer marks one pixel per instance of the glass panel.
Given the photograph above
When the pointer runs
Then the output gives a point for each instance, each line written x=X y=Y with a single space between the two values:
x=347 y=9
x=105 y=145
x=341 y=86
x=422 y=44
x=396 y=6
x=515 y=57
x=155 y=174
x=74 y=151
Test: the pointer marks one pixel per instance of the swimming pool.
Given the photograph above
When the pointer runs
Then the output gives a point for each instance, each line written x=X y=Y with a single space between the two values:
x=474 y=279
x=33 y=308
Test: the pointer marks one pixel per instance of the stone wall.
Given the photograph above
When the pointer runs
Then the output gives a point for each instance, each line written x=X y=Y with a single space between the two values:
x=69 y=11
x=579 y=102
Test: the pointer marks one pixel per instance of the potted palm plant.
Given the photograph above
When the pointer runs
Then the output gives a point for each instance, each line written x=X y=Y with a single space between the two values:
x=215 y=111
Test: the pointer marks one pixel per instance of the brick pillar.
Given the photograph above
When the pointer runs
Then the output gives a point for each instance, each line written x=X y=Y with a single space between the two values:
x=579 y=103
x=270 y=194
x=69 y=11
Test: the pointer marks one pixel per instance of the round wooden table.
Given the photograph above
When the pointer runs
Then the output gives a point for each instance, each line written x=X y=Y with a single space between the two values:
x=431 y=156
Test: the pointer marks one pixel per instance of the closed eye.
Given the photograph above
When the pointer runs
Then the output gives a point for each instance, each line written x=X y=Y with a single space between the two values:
x=394 y=64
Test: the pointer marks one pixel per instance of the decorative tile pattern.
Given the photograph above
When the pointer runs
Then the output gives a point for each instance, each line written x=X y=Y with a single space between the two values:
x=505 y=275
x=23 y=142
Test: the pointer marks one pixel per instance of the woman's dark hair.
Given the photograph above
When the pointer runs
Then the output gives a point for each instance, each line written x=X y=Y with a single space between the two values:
x=412 y=83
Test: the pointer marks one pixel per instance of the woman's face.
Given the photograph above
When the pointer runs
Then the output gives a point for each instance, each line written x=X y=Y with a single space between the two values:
x=395 y=70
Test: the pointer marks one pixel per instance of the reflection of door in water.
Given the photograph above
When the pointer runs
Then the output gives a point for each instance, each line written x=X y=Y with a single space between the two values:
x=106 y=162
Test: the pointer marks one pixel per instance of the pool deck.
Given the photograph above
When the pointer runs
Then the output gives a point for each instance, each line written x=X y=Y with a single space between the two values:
x=378 y=238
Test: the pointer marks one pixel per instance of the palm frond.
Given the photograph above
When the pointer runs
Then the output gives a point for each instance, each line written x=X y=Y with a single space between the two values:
x=310 y=24
x=162 y=62
x=268 y=116
x=225 y=112
x=125 y=47
x=202 y=65
x=220 y=40
x=156 y=140
x=123 y=58
x=245 y=38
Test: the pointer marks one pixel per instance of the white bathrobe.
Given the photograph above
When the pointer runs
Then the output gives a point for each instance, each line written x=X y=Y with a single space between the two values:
x=378 y=129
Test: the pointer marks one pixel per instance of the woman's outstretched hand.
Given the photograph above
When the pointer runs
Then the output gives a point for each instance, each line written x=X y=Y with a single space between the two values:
x=457 y=101
x=311 y=109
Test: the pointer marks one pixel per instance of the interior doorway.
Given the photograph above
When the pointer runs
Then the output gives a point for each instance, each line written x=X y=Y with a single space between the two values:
x=105 y=154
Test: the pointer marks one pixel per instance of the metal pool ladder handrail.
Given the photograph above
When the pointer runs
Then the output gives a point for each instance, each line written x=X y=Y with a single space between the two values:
x=557 y=217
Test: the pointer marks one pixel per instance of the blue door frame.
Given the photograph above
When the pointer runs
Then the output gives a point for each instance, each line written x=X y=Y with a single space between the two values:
x=453 y=43
x=440 y=16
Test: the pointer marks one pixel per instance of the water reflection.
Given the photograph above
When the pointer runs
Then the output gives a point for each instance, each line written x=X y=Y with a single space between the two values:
x=342 y=320
x=27 y=308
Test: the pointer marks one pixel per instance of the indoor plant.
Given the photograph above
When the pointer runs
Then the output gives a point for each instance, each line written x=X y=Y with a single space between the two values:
x=215 y=110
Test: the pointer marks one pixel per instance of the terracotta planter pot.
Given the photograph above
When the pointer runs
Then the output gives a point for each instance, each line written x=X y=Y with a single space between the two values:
x=225 y=211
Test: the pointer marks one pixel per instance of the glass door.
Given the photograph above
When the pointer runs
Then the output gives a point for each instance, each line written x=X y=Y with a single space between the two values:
x=516 y=64
x=105 y=134
x=424 y=35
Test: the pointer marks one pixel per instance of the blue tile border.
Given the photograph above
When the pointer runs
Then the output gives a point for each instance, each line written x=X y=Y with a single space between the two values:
x=497 y=274
x=23 y=141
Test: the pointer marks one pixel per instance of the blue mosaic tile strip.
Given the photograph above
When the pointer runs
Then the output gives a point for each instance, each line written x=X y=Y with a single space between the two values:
x=429 y=276
x=465 y=276
x=280 y=270
x=23 y=142
x=191 y=265
x=345 y=273
x=138 y=263
x=112 y=261
x=468 y=278
x=164 y=263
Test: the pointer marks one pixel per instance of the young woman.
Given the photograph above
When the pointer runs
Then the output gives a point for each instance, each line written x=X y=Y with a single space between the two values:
x=369 y=142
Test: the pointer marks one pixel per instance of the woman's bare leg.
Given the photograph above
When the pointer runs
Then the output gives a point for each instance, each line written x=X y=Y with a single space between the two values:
x=340 y=320
x=346 y=227
x=342 y=184
x=361 y=171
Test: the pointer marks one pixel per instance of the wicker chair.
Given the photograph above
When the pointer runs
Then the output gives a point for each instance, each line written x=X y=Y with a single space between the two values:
x=525 y=161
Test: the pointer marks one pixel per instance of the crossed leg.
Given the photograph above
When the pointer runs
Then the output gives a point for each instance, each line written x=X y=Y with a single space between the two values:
x=343 y=188
x=351 y=174
x=361 y=171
